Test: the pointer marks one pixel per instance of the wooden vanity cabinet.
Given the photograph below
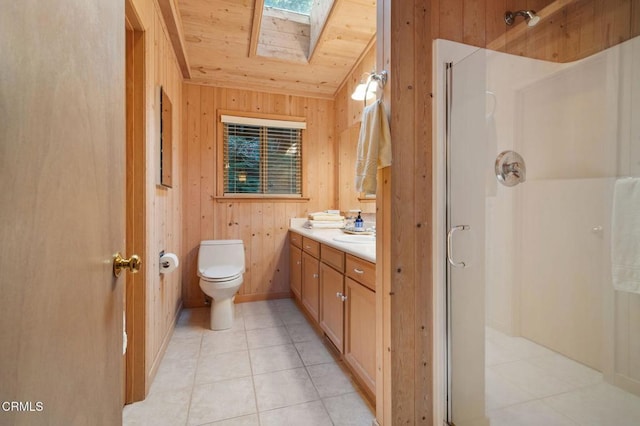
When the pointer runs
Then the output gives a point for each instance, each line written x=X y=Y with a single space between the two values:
x=295 y=270
x=311 y=284
x=332 y=295
x=338 y=291
x=360 y=332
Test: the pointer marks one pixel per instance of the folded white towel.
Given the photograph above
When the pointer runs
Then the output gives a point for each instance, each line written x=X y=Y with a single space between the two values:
x=374 y=147
x=325 y=216
x=328 y=224
x=625 y=235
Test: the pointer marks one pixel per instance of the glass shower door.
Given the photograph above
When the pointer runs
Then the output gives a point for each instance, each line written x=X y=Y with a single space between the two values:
x=466 y=172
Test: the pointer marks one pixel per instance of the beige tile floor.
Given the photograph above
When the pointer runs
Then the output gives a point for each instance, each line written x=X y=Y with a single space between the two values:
x=270 y=369
x=530 y=385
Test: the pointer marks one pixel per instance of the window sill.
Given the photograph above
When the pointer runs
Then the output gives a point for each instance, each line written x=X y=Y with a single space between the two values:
x=261 y=198
x=367 y=199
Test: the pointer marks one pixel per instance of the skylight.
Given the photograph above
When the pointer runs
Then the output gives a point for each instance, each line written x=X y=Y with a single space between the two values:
x=297 y=6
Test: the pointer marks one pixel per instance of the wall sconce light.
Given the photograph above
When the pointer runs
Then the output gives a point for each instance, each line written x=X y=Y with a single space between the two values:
x=366 y=90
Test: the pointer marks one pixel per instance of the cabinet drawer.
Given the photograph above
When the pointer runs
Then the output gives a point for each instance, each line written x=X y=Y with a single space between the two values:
x=362 y=271
x=295 y=239
x=310 y=246
x=332 y=257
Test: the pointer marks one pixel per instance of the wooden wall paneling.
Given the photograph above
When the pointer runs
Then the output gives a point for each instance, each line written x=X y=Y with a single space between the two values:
x=268 y=247
x=635 y=18
x=257 y=263
x=366 y=65
x=282 y=248
x=262 y=225
x=544 y=41
x=451 y=20
x=192 y=294
x=403 y=284
x=578 y=34
x=474 y=22
x=612 y=23
x=245 y=234
x=495 y=26
x=423 y=184
x=341 y=105
x=208 y=157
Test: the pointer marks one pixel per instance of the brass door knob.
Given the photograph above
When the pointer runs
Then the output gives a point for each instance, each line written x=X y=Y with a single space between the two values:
x=132 y=264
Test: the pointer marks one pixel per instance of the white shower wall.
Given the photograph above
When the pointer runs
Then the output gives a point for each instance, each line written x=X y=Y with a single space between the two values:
x=547 y=247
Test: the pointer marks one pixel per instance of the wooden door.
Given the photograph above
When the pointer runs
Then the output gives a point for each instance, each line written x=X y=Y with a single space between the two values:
x=295 y=265
x=360 y=332
x=61 y=211
x=135 y=290
x=332 y=304
x=310 y=284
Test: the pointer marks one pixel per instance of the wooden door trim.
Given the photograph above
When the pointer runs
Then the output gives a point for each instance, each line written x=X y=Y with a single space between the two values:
x=135 y=370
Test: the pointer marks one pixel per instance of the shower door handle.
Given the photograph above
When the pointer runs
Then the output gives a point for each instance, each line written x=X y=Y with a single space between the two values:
x=450 y=245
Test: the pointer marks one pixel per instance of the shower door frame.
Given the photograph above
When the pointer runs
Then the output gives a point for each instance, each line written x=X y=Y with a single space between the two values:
x=446 y=55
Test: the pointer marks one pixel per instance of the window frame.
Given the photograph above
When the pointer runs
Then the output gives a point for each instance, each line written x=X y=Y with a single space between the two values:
x=220 y=195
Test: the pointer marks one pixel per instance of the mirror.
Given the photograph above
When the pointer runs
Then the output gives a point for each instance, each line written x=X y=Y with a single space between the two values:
x=166 y=143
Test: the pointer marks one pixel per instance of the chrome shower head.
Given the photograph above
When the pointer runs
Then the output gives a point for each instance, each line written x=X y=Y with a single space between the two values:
x=529 y=15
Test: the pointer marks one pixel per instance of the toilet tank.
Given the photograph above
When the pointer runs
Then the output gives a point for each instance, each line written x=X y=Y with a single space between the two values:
x=220 y=252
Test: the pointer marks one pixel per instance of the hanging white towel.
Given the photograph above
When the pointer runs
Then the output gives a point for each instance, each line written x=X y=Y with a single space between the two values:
x=374 y=147
x=625 y=235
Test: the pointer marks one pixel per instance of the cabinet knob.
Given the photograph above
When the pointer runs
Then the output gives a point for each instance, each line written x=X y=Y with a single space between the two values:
x=298 y=262
x=315 y=275
x=341 y=296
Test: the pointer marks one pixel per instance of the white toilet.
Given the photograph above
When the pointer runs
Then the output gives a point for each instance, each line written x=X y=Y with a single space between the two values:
x=220 y=268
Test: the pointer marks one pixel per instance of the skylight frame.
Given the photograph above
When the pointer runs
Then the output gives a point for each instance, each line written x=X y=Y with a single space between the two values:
x=307 y=12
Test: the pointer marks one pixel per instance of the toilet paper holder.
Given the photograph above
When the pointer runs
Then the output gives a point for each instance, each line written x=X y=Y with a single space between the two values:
x=163 y=264
x=167 y=266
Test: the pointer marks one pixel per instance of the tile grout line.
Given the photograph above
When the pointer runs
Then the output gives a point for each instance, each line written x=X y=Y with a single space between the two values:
x=253 y=382
x=193 y=384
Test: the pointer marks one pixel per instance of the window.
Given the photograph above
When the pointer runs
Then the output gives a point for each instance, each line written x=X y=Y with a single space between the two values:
x=299 y=6
x=261 y=156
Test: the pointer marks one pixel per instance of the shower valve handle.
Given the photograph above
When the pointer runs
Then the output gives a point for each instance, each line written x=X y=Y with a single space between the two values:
x=510 y=168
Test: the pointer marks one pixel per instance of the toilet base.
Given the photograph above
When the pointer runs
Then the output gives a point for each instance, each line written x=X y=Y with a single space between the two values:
x=222 y=313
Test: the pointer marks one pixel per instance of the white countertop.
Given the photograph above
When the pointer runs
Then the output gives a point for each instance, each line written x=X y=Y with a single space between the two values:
x=325 y=236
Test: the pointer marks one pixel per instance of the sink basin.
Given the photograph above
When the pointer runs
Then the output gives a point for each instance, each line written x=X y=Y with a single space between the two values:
x=357 y=239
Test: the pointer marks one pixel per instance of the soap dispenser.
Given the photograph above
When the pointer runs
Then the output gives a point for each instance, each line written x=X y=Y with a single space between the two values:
x=359 y=223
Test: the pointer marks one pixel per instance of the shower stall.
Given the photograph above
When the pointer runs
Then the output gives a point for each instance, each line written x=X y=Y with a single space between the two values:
x=538 y=242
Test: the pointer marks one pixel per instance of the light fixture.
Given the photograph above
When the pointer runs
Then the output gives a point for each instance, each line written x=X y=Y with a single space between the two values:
x=364 y=90
x=529 y=16
x=368 y=87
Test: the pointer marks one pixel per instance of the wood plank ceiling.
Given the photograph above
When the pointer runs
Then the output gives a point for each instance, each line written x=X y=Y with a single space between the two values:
x=218 y=37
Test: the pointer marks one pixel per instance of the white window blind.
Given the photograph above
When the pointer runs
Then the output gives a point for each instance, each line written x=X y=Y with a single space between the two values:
x=262 y=159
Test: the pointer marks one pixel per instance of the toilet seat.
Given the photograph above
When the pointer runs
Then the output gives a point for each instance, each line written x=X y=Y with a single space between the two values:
x=221 y=273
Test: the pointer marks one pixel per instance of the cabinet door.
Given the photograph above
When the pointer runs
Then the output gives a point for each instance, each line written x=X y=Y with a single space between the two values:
x=332 y=304
x=360 y=332
x=310 y=284
x=295 y=270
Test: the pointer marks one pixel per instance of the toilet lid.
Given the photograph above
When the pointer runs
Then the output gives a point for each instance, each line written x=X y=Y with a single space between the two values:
x=219 y=272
